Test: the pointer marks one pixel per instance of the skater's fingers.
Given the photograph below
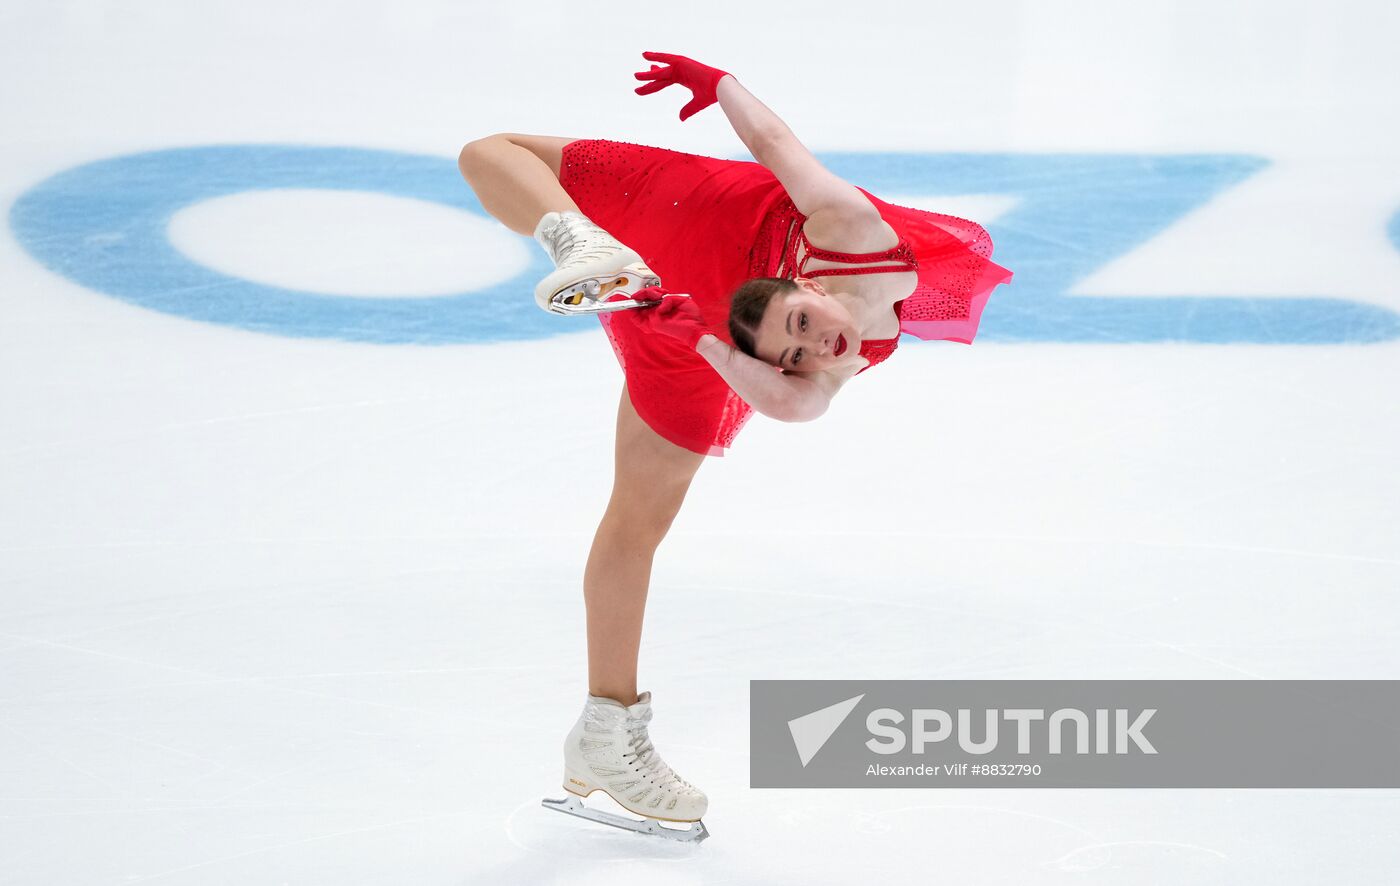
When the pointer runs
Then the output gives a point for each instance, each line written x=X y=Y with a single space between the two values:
x=674 y=305
x=696 y=104
x=660 y=57
x=650 y=295
x=693 y=107
x=654 y=86
x=656 y=71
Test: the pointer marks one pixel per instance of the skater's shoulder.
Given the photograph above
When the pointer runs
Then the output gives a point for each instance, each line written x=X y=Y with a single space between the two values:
x=841 y=233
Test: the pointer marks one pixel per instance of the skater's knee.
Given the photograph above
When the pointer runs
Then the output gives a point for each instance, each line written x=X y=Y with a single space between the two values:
x=647 y=502
x=468 y=157
x=643 y=520
x=469 y=154
x=473 y=151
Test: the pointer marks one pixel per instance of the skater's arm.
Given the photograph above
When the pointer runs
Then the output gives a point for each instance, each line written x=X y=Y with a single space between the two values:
x=751 y=119
x=789 y=397
x=812 y=187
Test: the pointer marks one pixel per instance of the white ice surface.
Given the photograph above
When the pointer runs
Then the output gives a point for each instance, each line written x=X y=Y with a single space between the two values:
x=279 y=610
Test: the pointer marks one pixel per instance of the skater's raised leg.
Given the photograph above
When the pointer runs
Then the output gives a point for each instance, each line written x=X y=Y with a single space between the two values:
x=516 y=178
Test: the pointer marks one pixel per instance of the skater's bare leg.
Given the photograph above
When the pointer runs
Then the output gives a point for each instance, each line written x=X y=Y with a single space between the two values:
x=651 y=476
x=516 y=177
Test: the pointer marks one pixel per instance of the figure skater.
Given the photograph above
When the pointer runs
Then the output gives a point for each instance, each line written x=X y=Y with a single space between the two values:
x=745 y=322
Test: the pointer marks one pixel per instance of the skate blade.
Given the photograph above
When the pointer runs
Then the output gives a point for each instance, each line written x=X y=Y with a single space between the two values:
x=573 y=805
x=588 y=296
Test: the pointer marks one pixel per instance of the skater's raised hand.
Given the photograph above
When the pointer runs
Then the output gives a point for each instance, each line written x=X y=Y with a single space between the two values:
x=673 y=315
x=701 y=80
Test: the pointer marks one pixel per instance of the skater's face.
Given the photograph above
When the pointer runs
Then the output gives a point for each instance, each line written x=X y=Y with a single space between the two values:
x=807 y=330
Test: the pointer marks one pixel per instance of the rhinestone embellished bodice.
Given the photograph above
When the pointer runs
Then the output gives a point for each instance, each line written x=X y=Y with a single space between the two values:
x=794 y=242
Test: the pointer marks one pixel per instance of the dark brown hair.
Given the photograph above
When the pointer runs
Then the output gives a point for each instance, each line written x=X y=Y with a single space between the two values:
x=747 y=307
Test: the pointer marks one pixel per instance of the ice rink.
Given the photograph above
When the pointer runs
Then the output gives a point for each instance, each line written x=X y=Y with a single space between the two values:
x=297 y=483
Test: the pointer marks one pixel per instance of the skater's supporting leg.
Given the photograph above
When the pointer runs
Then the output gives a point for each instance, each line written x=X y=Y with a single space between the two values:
x=516 y=178
x=651 y=477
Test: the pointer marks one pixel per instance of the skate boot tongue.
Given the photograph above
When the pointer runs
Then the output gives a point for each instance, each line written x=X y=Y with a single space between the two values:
x=545 y=224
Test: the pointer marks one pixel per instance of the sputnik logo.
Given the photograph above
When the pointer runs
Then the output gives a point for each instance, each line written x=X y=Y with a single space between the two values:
x=811 y=731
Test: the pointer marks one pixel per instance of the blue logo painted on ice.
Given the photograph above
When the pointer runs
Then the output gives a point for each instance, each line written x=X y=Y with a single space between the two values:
x=104 y=225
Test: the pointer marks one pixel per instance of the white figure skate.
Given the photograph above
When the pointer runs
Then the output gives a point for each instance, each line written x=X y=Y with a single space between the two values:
x=608 y=750
x=591 y=265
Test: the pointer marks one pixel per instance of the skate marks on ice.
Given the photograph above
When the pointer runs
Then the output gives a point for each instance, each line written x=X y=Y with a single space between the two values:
x=1051 y=845
x=1141 y=854
x=906 y=821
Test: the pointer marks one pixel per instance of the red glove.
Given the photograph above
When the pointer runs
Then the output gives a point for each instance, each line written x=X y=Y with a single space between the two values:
x=673 y=315
x=649 y=294
x=701 y=80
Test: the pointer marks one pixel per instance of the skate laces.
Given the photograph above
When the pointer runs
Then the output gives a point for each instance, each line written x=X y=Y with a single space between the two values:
x=567 y=238
x=647 y=757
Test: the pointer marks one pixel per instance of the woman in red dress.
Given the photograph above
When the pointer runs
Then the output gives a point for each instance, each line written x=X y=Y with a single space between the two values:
x=794 y=280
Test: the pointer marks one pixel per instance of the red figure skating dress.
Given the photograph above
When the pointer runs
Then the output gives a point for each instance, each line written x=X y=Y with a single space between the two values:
x=706 y=225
